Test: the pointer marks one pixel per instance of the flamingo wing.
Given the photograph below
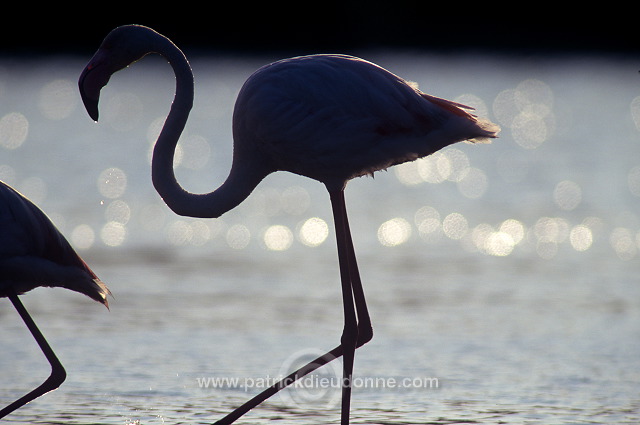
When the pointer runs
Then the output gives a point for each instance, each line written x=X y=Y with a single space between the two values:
x=34 y=253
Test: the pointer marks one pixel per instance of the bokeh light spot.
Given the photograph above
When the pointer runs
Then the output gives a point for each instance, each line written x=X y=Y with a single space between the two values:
x=581 y=237
x=295 y=200
x=514 y=228
x=622 y=242
x=533 y=92
x=194 y=152
x=152 y=217
x=528 y=111
x=567 y=195
x=455 y=226
x=633 y=180
x=529 y=130
x=499 y=244
x=34 y=189
x=551 y=229
x=112 y=183
x=200 y=232
x=635 y=111
x=83 y=236
x=113 y=233
x=58 y=99
x=313 y=232
x=407 y=173
x=118 y=211
x=394 y=232
x=278 y=238
x=179 y=233
x=434 y=168
x=122 y=111
x=427 y=220
x=474 y=183
x=457 y=164
x=479 y=106
x=238 y=236
x=7 y=174
x=14 y=128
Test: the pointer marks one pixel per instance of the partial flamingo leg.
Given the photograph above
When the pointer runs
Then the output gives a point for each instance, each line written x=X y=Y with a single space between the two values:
x=283 y=383
x=58 y=373
x=365 y=329
x=362 y=334
x=350 y=331
x=357 y=332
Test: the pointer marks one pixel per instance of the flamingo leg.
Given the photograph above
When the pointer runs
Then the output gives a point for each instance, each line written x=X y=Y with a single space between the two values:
x=58 y=374
x=350 y=331
x=365 y=329
x=363 y=332
x=283 y=383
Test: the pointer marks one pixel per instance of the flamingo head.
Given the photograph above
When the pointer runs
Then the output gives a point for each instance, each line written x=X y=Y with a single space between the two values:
x=121 y=47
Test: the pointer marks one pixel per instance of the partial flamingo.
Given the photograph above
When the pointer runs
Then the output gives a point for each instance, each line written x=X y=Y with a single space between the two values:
x=34 y=253
x=327 y=117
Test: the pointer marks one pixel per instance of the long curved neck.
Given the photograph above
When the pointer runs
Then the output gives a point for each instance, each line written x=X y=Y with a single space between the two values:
x=242 y=179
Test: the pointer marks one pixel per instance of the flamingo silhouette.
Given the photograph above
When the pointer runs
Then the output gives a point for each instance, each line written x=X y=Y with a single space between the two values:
x=34 y=253
x=327 y=117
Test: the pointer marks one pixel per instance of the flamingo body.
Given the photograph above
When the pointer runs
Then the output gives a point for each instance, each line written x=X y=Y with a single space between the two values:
x=328 y=117
x=336 y=117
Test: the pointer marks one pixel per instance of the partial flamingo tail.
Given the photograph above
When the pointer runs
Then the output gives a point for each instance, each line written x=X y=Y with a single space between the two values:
x=487 y=130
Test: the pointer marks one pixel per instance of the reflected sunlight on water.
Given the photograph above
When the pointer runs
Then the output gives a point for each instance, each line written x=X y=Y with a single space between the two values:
x=526 y=111
x=509 y=270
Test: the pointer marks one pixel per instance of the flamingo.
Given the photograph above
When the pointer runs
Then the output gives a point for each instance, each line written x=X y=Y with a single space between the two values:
x=328 y=117
x=34 y=253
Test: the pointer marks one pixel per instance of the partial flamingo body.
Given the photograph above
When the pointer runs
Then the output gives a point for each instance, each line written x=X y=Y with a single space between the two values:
x=327 y=117
x=34 y=253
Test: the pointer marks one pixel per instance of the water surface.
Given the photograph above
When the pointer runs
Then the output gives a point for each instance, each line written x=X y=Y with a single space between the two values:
x=508 y=273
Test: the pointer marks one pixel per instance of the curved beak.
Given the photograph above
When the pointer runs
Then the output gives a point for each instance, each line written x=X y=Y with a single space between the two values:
x=94 y=76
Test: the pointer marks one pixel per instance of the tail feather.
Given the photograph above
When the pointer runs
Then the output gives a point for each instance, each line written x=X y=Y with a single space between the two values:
x=487 y=130
x=451 y=106
x=101 y=292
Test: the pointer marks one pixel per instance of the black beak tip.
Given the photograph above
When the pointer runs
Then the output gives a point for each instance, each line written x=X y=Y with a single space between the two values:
x=91 y=106
x=90 y=94
x=93 y=113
